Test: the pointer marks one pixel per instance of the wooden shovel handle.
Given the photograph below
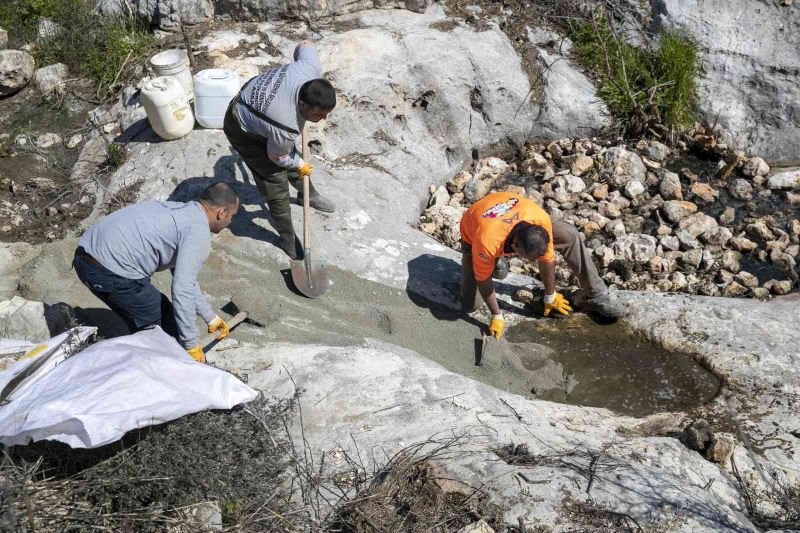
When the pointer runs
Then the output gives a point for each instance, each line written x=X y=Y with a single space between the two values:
x=306 y=200
x=232 y=323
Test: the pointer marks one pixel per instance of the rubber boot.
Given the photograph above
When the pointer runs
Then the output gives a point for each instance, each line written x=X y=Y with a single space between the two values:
x=316 y=200
x=602 y=305
x=276 y=191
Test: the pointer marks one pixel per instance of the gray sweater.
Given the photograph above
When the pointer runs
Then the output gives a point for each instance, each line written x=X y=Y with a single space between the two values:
x=275 y=94
x=141 y=239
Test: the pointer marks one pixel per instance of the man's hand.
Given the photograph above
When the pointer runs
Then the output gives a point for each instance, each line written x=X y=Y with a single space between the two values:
x=218 y=325
x=197 y=354
x=305 y=170
x=556 y=302
x=497 y=326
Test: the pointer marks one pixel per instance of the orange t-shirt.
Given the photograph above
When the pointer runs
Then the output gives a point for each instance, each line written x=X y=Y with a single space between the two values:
x=485 y=226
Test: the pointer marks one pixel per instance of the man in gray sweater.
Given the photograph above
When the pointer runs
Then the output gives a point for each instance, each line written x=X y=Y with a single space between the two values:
x=117 y=255
x=263 y=122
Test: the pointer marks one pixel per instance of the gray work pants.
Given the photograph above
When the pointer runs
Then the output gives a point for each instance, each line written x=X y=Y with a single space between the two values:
x=272 y=181
x=566 y=240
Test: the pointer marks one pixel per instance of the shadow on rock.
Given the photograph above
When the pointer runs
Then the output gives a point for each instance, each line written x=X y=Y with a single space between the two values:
x=243 y=224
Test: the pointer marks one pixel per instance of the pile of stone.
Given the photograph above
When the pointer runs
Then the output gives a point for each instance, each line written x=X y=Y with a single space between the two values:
x=647 y=227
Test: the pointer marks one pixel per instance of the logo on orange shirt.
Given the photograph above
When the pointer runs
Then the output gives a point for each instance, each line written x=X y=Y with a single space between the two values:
x=500 y=209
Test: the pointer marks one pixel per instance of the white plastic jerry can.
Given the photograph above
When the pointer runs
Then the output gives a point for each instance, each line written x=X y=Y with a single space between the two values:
x=167 y=108
x=213 y=91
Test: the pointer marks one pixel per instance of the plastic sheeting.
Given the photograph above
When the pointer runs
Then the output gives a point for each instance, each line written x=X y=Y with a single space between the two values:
x=94 y=397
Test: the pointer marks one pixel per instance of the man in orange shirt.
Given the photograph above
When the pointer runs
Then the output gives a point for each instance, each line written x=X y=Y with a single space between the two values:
x=504 y=223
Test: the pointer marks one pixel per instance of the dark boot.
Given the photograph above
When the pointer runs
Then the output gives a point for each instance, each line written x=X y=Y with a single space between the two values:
x=275 y=190
x=603 y=306
x=315 y=200
x=291 y=245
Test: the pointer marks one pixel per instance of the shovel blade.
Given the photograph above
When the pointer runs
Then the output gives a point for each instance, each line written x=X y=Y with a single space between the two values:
x=310 y=276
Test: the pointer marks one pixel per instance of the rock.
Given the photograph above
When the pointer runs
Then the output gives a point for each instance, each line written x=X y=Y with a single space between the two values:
x=760 y=292
x=734 y=290
x=74 y=141
x=51 y=211
x=571 y=106
x=600 y=192
x=731 y=261
x=523 y=295
x=725 y=48
x=691 y=259
x=670 y=186
x=687 y=240
x=727 y=216
x=778 y=287
x=476 y=188
x=759 y=231
x=574 y=184
x=670 y=242
x=698 y=224
x=678 y=280
x=794 y=228
x=417 y=6
x=478 y=527
x=703 y=192
x=633 y=189
x=439 y=197
x=743 y=244
x=663 y=230
x=677 y=210
x=724 y=277
x=720 y=238
x=755 y=166
x=50 y=79
x=3 y=39
x=793 y=199
x=608 y=210
x=784 y=180
x=654 y=150
x=23 y=319
x=16 y=70
x=203 y=516
x=458 y=182
x=605 y=255
x=721 y=449
x=741 y=189
x=638 y=248
x=581 y=165
x=783 y=261
x=615 y=228
x=590 y=229
x=48 y=140
x=698 y=435
x=746 y=279
x=621 y=166
x=132 y=117
x=47 y=29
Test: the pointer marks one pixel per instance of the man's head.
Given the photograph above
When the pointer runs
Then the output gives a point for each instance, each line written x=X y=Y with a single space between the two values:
x=531 y=242
x=220 y=202
x=317 y=99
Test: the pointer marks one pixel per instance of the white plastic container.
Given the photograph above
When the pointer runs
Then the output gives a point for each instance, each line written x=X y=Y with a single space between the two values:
x=174 y=63
x=213 y=91
x=167 y=108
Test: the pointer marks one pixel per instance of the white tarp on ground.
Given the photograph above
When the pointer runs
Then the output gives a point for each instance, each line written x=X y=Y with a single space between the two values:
x=14 y=346
x=96 y=396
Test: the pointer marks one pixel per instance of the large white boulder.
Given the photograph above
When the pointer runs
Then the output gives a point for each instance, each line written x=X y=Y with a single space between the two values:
x=750 y=51
x=16 y=70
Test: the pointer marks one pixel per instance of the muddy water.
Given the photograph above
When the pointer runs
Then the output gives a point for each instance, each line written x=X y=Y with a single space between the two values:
x=607 y=366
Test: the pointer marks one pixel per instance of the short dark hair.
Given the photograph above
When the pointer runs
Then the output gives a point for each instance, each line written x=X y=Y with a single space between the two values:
x=318 y=93
x=533 y=240
x=219 y=194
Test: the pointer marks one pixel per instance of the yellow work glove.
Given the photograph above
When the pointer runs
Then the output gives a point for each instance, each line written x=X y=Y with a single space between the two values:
x=305 y=170
x=197 y=354
x=497 y=326
x=219 y=325
x=557 y=303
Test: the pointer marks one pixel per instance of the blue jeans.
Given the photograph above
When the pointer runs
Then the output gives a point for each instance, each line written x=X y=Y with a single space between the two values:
x=136 y=301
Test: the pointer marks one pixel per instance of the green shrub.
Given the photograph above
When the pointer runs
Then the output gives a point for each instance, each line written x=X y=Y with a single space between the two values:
x=106 y=49
x=644 y=89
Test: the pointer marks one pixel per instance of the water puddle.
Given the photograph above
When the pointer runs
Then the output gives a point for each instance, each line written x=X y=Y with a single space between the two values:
x=607 y=366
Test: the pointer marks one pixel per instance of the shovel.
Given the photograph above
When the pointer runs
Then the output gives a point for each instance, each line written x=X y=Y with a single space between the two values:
x=309 y=276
